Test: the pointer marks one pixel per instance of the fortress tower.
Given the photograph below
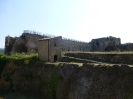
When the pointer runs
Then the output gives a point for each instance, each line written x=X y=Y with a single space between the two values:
x=49 y=49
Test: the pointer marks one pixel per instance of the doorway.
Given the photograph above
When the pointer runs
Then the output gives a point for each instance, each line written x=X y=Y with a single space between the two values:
x=55 y=58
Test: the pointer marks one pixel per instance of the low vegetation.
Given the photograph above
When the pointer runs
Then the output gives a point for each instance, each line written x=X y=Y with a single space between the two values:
x=23 y=59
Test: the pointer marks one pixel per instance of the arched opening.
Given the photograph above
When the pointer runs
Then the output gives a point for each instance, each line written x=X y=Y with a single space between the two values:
x=55 y=58
x=54 y=44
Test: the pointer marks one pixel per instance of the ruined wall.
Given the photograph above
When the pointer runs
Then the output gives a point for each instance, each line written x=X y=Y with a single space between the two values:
x=28 y=42
x=71 y=45
x=49 y=49
x=105 y=44
x=125 y=47
x=119 y=58
x=19 y=46
x=43 y=50
x=67 y=44
x=25 y=43
x=55 y=49
x=14 y=45
x=31 y=41
x=9 y=41
x=69 y=81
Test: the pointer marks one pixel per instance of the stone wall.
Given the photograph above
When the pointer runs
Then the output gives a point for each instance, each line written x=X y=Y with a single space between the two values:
x=55 y=49
x=125 y=47
x=69 y=81
x=9 y=41
x=14 y=45
x=29 y=43
x=49 y=49
x=72 y=45
x=105 y=44
x=108 y=57
x=43 y=50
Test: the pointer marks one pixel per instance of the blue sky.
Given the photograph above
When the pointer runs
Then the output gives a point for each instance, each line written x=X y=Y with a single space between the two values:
x=77 y=19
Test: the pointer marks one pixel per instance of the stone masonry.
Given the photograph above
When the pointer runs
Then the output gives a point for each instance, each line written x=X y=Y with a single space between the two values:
x=105 y=44
x=49 y=49
x=28 y=42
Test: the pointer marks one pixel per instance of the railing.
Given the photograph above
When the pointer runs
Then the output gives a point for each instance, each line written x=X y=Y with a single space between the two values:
x=51 y=36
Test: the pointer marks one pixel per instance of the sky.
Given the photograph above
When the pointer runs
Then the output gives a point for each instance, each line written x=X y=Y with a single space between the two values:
x=76 y=19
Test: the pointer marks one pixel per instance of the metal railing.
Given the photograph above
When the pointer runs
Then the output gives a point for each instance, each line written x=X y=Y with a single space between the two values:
x=51 y=36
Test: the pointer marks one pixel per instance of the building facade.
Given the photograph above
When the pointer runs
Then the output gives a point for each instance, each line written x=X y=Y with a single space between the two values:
x=49 y=49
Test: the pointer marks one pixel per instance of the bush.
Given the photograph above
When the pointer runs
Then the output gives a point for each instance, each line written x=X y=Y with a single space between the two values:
x=19 y=59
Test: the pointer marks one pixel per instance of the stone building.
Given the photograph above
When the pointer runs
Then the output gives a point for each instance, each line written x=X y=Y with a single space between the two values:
x=49 y=49
x=14 y=45
x=28 y=43
x=105 y=44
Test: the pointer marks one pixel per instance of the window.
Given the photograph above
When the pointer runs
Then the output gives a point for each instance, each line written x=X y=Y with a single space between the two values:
x=55 y=58
x=54 y=44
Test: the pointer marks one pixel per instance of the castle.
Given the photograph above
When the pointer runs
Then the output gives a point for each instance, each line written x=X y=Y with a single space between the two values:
x=31 y=41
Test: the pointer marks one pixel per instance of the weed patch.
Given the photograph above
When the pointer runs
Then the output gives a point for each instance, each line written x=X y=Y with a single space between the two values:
x=54 y=84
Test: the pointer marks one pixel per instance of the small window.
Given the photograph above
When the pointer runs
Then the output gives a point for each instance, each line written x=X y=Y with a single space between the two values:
x=55 y=58
x=54 y=44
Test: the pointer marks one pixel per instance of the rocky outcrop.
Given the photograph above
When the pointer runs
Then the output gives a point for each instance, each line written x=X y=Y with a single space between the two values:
x=69 y=81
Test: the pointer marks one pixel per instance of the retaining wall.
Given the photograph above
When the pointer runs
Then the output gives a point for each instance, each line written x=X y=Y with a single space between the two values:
x=104 y=57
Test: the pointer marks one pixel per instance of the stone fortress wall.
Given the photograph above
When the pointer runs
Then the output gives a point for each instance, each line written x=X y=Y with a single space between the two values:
x=125 y=47
x=105 y=44
x=49 y=49
x=74 y=45
x=28 y=42
x=67 y=44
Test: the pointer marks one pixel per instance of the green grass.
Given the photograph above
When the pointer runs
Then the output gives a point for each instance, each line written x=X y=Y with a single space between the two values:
x=19 y=56
x=54 y=84
x=14 y=57
x=19 y=59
